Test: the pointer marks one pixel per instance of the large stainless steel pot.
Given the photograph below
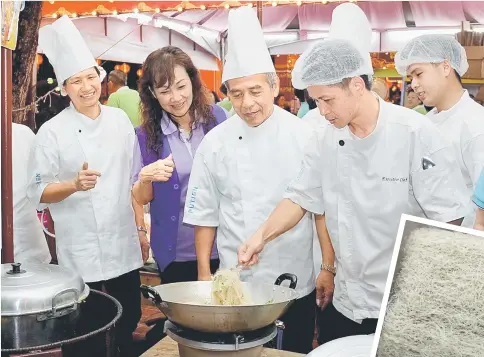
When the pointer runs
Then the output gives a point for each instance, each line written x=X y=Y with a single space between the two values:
x=183 y=304
x=39 y=304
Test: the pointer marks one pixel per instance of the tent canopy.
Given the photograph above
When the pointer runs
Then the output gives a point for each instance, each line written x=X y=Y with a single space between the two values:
x=129 y=31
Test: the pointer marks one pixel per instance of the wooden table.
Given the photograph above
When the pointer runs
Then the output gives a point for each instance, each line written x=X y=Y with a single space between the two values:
x=169 y=348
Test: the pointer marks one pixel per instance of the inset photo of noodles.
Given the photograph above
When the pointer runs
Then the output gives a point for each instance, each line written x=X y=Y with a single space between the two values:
x=434 y=300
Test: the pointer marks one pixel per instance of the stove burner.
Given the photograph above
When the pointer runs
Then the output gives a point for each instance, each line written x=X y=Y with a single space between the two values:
x=216 y=341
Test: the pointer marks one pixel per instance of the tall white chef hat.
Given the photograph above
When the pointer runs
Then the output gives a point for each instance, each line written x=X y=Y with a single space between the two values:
x=344 y=54
x=66 y=50
x=432 y=49
x=247 y=50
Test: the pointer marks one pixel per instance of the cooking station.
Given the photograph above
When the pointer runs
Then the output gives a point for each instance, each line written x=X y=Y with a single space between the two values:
x=198 y=329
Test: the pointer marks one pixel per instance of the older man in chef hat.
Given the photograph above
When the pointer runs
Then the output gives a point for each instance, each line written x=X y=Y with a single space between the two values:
x=241 y=170
x=376 y=161
x=435 y=64
x=80 y=167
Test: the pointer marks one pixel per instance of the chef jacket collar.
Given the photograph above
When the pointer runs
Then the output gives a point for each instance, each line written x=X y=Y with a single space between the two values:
x=82 y=116
x=444 y=114
x=266 y=126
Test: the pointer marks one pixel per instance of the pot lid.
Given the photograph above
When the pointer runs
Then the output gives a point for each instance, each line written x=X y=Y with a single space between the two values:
x=34 y=288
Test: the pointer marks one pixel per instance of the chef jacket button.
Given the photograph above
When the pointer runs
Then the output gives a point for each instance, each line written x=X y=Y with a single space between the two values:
x=173 y=218
x=175 y=187
x=341 y=143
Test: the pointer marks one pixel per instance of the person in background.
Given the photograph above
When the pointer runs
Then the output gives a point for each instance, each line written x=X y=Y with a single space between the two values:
x=280 y=101
x=123 y=97
x=379 y=87
x=226 y=103
x=374 y=162
x=413 y=102
x=30 y=245
x=479 y=201
x=176 y=114
x=214 y=97
x=241 y=170
x=435 y=65
x=80 y=167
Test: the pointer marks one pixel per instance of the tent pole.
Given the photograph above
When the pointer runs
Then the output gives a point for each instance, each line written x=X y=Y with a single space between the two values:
x=6 y=132
x=259 y=11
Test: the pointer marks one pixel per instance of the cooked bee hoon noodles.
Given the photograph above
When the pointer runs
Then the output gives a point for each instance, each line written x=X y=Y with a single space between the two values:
x=227 y=289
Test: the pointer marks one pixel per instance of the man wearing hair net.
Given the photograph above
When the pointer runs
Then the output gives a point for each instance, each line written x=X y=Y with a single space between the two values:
x=80 y=167
x=435 y=65
x=374 y=163
x=241 y=170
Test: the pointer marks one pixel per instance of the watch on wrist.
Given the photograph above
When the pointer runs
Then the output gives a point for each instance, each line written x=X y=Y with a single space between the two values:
x=330 y=268
x=142 y=229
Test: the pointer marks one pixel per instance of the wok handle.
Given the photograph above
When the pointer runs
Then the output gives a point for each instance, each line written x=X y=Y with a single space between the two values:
x=150 y=293
x=287 y=276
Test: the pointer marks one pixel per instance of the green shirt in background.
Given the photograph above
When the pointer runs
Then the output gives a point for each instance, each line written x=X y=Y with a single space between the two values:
x=421 y=109
x=127 y=100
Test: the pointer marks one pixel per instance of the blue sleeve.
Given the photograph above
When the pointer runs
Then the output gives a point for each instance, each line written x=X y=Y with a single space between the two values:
x=479 y=192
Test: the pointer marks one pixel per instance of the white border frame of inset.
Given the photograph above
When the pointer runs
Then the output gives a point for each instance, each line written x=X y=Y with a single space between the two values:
x=396 y=251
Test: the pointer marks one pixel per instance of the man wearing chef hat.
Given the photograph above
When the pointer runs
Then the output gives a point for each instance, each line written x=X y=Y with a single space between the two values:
x=241 y=170
x=375 y=162
x=435 y=65
x=80 y=167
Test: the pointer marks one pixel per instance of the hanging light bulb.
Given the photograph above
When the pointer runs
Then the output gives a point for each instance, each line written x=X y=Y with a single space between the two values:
x=94 y=13
x=274 y=3
x=180 y=9
x=203 y=7
x=227 y=6
x=54 y=15
x=74 y=14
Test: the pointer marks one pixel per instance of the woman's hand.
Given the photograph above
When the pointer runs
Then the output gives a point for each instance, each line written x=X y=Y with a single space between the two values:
x=158 y=171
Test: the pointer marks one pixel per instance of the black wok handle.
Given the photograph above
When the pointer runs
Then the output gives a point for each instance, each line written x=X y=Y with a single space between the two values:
x=150 y=293
x=287 y=276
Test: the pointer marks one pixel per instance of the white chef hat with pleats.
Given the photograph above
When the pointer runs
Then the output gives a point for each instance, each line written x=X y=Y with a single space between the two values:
x=345 y=53
x=247 y=50
x=66 y=49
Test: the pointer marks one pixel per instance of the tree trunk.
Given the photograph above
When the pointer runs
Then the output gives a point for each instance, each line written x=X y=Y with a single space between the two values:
x=24 y=58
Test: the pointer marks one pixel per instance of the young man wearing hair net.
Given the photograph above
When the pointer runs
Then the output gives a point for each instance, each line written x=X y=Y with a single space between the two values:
x=376 y=161
x=435 y=65
x=80 y=167
x=240 y=172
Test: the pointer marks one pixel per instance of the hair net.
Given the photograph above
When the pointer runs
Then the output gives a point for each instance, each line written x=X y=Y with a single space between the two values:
x=432 y=49
x=344 y=54
x=328 y=62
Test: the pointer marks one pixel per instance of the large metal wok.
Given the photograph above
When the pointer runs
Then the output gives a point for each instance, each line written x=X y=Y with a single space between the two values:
x=185 y=305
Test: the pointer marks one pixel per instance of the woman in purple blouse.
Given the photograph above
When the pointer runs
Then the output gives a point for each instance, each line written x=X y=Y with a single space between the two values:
x=176 y=115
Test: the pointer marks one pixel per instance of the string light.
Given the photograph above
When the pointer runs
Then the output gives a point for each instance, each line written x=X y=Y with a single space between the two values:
x=52 y=1
x=180 y=9
x=227 y=6
x=250 y=4
x=74 y=14
x=324 y=2
x=54 y=15
x=274 y=3
x=203 y=7
x=135 y=10
x=157 y=10
x=299 y=3
x=115 y=12
x=94 y=13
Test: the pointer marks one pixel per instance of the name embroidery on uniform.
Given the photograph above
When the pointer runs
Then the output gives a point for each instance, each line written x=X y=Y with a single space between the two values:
x=38 y=179
x=193 y=198
x=394 y=179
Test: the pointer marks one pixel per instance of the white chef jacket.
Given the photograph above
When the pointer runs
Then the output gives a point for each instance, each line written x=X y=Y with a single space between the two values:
x=96 y=233
x=29 y=243
x=238 y=177
x=365 y=185
x=463 y=126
